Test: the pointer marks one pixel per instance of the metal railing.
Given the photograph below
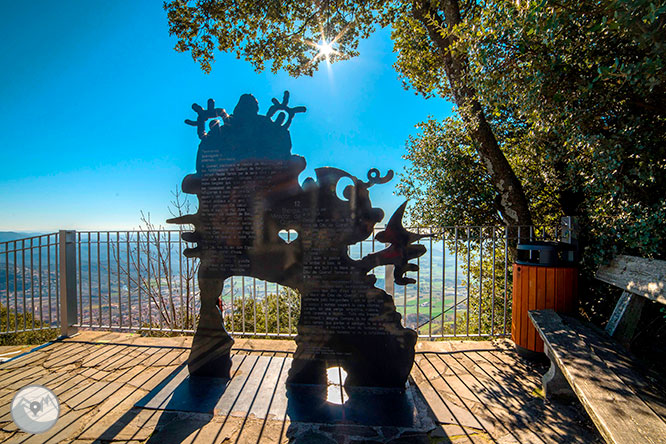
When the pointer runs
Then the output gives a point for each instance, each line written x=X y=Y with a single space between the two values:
x=135 y=280
x=29 y=284
x=140 y=281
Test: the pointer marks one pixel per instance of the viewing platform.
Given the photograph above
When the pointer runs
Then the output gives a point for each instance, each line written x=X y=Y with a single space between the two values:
x=463 y=392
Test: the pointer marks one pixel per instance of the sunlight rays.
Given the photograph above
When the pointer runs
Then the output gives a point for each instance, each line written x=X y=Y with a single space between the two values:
x=325 y=47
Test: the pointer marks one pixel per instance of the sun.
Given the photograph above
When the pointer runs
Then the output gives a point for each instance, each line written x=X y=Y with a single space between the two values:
x=325 y=49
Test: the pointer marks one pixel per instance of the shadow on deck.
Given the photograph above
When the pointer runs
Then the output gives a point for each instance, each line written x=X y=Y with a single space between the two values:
x=461 y=392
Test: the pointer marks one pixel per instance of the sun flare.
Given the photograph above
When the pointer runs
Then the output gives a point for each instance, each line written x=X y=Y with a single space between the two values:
x=325 y=49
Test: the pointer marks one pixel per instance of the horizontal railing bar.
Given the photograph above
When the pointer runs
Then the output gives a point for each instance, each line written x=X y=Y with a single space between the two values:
x=35 y=247
x=30 y=237
x=465 y=335
x=29 y=330
x=137 y=329
x=271 y=335
x=124 y=276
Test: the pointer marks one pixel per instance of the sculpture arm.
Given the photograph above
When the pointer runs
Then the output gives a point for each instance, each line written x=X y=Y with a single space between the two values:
x=397 y=256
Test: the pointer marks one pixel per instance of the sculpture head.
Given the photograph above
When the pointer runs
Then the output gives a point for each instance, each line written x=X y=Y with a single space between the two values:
x=247 y=106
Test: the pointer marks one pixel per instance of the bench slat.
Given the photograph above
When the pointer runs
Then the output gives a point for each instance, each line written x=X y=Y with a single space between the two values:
x=648 y=385
x=619 y=414
x=644 y=277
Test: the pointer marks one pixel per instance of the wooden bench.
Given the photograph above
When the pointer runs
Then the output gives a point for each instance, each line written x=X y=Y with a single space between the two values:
x=627 y=404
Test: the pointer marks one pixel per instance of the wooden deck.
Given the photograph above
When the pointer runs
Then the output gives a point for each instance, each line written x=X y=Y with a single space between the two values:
x=479 y=392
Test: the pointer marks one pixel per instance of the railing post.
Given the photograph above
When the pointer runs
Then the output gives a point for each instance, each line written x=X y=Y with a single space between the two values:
x=570 y=230
x=68 y=307
x=389 y=282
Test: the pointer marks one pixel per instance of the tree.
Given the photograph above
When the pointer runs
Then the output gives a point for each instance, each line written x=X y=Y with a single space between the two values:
x=261 y=315
x=441 y=24
x=559 y=104
x=41 y=331
x=482 y=305
x=293 y=34
x=148 y=269
x=579 y=115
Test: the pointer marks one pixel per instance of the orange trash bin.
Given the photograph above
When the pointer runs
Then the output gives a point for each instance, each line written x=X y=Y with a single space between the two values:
x=544 y=276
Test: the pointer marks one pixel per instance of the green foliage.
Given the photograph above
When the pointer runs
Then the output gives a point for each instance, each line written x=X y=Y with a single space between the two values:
x=244 y=316
x=419 y=63
x=285 y=32
x=286 y=306
x=487 y=286
x=482 y=313
x=445 y=181
x=20 y=321
x=575 y=94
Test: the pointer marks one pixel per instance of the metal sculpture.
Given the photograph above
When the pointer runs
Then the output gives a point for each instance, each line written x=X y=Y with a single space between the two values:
x=246 y=181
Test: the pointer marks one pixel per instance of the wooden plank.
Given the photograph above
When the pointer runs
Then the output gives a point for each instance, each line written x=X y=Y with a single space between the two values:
x=531 y=305
x=623 y=322
x=164 y=394
x=517 y=292
x=265 y=394
x=648 y=385
x=572 y=289
x=524 y=298
x=255 y=379
x=550 y=289
x=620 y=415
x=561 y=291
x=541 y=288
x=644 y=277
x=278 y=407
x=618 y=312
x=239 y=378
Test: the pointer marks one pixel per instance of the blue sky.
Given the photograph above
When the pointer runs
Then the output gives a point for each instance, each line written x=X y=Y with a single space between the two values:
x=93 y=98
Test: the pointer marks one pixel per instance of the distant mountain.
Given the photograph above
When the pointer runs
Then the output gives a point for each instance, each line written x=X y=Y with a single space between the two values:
x=12 y=235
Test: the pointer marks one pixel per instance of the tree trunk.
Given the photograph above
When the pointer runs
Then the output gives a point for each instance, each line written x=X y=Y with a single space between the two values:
x=513 y=204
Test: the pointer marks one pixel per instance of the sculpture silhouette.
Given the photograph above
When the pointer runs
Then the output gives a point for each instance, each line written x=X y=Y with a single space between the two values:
x=246 y=181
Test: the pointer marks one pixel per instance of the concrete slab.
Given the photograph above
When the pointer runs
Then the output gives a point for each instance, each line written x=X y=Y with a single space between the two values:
x=253 y=388
x=180 y=392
